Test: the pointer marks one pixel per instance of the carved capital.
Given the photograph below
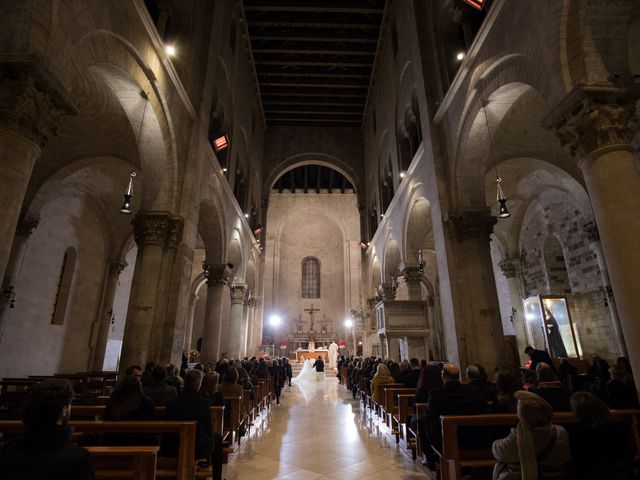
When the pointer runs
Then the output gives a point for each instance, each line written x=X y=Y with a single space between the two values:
x=157 y=228
x=591 y=231
x=237 y=294
x=216 y=275
x=28 y=111
x=412 y=274
x=27 y=224
x=473 y=224
x=509 y=267
x=593 y=117
x=174 y=235
x=116 y=267
x=386 y=291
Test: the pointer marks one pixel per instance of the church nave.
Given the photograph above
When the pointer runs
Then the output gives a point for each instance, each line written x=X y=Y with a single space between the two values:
x=318 y=432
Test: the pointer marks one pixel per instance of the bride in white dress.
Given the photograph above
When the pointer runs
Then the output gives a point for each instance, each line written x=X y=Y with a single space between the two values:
x=307 y=374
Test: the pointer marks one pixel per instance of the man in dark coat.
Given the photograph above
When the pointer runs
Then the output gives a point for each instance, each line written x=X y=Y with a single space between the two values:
x=319 y=365
x=44 y=449
x=190 y=405
x=411 y=377
x=453 y=398
x=539 y=356
x=159 y=392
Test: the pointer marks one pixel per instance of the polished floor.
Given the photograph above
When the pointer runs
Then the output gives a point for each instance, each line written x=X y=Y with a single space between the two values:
x=318 y=432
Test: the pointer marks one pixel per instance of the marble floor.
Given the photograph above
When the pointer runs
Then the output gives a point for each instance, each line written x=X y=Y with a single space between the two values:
x=318 y=432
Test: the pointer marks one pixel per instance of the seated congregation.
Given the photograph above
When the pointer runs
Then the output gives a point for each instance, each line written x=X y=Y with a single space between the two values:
x=549 y=421
x=163 y=422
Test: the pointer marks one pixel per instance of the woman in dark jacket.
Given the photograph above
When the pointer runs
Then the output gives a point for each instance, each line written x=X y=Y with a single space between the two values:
x=127 y=402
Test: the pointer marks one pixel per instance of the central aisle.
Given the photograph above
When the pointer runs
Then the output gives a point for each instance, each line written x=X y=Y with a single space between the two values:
x=318 y=432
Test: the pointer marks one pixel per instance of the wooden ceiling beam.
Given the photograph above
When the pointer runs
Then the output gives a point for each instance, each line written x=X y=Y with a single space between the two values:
x=320 y=25
x=295 y=120
x=313 y=104
x=313 y=85
x=311 y=112
x=307 y=51
x=314 y=94
x=311 y=63
x=312 y=75
x=312 y=9
x=282 y=38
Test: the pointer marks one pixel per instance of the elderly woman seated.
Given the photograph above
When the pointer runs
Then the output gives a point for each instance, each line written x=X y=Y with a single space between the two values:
x=536 y=449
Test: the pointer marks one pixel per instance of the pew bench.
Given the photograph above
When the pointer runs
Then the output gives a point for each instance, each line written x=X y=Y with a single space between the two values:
x=136 y=463
x=180 y=468
x=453 y=459
x=406 y=411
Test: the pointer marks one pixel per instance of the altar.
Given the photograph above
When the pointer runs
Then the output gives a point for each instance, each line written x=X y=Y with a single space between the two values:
x=303 y=354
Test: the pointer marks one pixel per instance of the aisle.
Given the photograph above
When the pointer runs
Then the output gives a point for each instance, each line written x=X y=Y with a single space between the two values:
x=318 y=432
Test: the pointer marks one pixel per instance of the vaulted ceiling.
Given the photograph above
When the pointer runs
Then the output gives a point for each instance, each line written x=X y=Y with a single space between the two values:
x=314 y=59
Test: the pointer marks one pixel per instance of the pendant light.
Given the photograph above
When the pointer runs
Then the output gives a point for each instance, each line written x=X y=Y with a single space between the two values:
x=500 y=198
x=128 y=195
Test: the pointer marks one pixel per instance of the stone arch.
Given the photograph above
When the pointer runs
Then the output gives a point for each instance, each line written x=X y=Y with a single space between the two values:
x=376 y=276
x=555 y=266
x=236 y=257
x=513 y=114
x=212 y=231
x=392 y=260
x=118 y=64
x=591 y=48
x=311 y=158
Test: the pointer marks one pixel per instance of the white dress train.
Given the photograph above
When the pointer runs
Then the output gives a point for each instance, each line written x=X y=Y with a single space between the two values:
x=307 y=374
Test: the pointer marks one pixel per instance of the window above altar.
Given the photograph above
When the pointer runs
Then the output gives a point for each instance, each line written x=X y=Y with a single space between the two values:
x=310 y=277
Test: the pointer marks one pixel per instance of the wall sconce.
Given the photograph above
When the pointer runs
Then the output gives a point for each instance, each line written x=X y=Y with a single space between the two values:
x=128 y=195
x=420 y=261
x=10 y=295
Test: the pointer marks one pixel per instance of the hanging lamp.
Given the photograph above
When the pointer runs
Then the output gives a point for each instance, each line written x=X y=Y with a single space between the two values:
x=500 y=198
x=128 y=195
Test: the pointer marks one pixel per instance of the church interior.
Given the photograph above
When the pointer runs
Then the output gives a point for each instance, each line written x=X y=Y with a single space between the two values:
x=450 y=180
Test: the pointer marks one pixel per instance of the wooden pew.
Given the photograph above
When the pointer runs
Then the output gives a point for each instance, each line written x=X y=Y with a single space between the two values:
x=453 y=459
x=420 y=410
x=96 y=412
x=391 y=406
x=182 y=468
x=13 y=392
x=344 y=376
x=379 y=406
x=137 y=463
x=405 y=411
x=235 y=418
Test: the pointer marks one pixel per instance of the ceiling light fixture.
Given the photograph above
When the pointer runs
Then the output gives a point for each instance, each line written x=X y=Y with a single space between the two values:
x=500 y=198
x=460 y=56
x=171 y=50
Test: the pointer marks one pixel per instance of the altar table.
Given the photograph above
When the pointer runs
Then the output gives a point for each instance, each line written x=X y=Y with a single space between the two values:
x=302 y=355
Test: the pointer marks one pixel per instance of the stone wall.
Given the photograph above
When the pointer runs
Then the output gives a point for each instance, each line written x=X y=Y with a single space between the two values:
x=31 y=345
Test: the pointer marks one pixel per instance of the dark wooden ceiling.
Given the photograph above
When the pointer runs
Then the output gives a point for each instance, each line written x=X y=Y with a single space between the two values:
x=308 y=178
x=314 y=59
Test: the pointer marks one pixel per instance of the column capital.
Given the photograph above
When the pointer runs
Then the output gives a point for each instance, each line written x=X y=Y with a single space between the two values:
x=473 y=224
x=116 y=267
x=216 y=275
x=510 y=266
x=412 y=274
x=27 y=224
x=157 y=228
x=386 y=291
x=594 y=117
x=27 y=110
x=237 y=294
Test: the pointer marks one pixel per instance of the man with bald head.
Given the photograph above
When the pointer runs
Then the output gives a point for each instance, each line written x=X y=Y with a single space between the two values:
x=453 y=398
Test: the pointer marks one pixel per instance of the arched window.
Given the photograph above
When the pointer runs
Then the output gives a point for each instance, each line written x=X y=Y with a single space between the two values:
x=63 y=289
x=310 y=277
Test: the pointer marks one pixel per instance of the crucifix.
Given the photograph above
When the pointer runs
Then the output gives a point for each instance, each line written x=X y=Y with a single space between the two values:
x=311 y=312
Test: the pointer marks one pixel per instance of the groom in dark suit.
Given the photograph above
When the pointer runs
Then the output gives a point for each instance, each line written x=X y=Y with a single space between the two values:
x=319 y=365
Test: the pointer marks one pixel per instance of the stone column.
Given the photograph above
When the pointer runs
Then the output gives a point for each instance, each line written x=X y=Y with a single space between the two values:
x=28 y=119
x=236 y=325
x=413 y=278
x=596 y=122
x=217 y=278
x=594 y=237
x=477 y=317
x=510 y=268
x=152 y=232
x=247 y=324
x=25 y=228
x=188 y=333
x=100 y=331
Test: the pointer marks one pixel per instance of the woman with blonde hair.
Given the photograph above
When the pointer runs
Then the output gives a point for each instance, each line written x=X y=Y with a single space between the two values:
x=382 y=377
x=536 y=449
